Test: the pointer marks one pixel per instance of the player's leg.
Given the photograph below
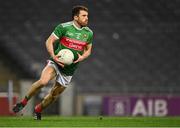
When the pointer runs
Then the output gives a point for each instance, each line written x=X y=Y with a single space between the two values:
x=53 y=95
x=56 y=90
x=47 y=74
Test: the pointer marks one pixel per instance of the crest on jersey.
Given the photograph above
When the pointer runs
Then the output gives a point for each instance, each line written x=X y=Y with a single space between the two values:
x=84 y=35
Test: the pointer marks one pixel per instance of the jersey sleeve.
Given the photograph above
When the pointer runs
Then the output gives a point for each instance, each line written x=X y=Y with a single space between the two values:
x=90 y=39
x=59 y=31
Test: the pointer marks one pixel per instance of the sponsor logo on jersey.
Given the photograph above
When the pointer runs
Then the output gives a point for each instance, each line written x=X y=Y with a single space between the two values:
x=73 y=44
x=70 y=34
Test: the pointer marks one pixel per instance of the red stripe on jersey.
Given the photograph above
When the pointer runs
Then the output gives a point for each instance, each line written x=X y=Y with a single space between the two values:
x=73 y=44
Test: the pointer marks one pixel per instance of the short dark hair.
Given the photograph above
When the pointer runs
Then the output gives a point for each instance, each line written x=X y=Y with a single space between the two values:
x=76 y=9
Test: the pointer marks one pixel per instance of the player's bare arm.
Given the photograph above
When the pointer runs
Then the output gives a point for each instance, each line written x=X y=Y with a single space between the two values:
x=86 y=54
x=50 y=49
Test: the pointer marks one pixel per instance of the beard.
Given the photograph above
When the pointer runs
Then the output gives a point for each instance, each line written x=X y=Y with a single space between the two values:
x=82 y=23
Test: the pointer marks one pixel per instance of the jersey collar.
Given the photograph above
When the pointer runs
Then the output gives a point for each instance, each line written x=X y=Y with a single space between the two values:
x=77 y=27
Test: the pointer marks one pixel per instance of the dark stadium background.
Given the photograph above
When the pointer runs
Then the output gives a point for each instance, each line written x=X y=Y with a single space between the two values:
x=135 y=48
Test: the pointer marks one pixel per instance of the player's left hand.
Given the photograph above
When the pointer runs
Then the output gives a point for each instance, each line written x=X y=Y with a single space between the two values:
x=80 y=58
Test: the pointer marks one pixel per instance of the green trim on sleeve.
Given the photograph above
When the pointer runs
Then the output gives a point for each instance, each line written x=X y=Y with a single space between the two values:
x=59 y=31
x=90 y=39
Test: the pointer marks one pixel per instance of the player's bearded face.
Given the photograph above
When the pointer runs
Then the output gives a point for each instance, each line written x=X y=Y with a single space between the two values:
x=82 y=18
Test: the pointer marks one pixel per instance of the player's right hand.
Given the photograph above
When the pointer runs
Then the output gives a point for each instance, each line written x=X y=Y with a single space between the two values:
x=56 y=59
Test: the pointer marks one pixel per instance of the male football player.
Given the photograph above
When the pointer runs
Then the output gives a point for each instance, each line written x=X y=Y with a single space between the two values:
x=73 y=35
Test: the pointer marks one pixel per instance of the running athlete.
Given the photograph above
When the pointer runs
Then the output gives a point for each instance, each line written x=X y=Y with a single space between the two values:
x=73 y=35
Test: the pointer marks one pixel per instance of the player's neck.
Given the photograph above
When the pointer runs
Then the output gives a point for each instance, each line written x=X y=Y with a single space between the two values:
x=76 y=24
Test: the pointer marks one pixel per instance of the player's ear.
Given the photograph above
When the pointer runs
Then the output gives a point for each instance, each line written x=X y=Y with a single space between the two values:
x=75 y=17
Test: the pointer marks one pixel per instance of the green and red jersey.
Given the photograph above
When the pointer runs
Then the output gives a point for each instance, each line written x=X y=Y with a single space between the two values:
x=71 y=37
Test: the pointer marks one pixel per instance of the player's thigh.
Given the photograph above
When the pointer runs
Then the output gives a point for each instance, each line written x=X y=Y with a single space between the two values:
x=48 y=74
x=57 y=89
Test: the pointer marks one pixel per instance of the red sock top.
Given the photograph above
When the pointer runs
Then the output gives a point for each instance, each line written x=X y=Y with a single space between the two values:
x=24 y=101
x=38 y=108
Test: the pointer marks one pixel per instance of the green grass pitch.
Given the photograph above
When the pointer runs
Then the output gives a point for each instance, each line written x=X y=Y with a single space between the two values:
x=59 y=121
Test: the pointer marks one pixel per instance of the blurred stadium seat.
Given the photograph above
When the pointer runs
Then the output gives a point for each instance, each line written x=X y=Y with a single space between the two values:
x=136 y=44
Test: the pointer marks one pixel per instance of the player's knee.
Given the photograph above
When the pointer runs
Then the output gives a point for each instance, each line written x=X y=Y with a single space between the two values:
x=43 y=82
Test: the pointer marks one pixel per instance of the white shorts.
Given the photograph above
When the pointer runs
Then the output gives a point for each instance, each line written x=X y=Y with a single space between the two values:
x=61 y=78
